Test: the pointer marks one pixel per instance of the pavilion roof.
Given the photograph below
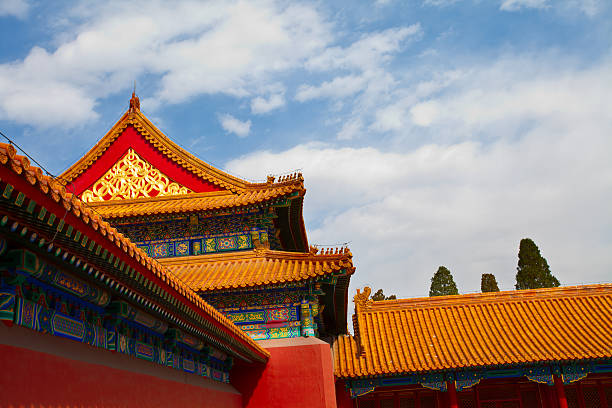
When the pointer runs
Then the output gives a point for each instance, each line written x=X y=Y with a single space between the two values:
x=175 y=155
x=133 y=117
x=155 y=278
x=259 y=267
x=409 y=336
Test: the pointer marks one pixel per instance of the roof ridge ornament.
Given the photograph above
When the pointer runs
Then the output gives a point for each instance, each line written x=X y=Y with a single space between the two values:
x=134 y=101
x=360 y=298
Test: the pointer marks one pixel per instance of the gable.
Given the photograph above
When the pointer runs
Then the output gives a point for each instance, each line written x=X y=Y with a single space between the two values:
x=135 y=131
x=132 y=177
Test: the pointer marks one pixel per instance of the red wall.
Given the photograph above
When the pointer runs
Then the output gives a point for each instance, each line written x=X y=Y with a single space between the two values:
x=299 y=374
x=34 y=379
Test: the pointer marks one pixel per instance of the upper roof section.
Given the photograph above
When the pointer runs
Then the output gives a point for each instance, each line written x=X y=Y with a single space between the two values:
x=405 y=336
x=136 y=160
x=236 y=270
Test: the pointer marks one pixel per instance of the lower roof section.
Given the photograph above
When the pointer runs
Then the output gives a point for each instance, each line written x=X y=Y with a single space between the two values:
x=259 y=267
x=409 y=336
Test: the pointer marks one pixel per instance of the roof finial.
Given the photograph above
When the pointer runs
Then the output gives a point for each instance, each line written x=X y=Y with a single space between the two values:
x=134 y=102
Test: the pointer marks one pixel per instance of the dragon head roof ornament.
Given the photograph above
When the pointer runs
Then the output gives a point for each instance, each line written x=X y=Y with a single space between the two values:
x=361 y=298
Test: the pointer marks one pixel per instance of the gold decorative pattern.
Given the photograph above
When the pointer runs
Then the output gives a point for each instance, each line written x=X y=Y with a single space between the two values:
x=132 y=177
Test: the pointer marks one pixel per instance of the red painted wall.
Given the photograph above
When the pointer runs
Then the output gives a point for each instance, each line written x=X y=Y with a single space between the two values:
x=31 y=378
x=299 y=374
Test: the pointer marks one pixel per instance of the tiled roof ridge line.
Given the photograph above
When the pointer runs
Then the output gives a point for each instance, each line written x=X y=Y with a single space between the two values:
x=268 y=254
x=522 y=295
x=50 y=186
x=204 y=201
x=362 y=301
x=175 y=152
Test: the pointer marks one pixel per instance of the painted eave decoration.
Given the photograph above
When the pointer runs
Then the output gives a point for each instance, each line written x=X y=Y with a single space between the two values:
x=29 y=188
x=491 y=330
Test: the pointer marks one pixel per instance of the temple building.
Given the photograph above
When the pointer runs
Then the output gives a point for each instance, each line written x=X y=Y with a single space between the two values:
x=548 y=348
x=143 y=276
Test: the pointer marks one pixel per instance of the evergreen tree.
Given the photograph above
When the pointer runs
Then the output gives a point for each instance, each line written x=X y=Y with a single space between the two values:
x=533 y=271
x=442 y=283
x=488 y=283
x=379 y=295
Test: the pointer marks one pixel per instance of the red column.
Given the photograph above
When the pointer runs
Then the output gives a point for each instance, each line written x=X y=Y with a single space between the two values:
x=560 y=392
x=452 y=395
x=544 y=396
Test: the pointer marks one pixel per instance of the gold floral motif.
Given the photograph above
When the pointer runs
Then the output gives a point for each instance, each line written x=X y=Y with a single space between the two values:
x=132 y=177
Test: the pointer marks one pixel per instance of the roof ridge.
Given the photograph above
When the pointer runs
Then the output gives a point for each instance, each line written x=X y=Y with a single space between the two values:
x=258 y=253
x=154 y=136
x=492 y=297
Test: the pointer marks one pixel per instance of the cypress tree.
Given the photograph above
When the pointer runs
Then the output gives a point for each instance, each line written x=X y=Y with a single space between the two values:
x=379 y=295
x=442 y=283
x=488 y=283
x=533 y=271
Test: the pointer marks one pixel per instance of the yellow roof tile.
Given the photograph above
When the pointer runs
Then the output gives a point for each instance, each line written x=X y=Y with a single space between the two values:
x=234 y=270
x=198 y=201
x=476 y=330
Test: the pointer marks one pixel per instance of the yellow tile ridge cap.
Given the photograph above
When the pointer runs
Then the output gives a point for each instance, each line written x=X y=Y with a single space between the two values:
x=267 y=254
x=493 y=297
x=189 y=202
x=168 y=198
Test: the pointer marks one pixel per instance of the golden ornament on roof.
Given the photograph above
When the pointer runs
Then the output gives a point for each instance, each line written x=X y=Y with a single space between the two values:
x=132 y=177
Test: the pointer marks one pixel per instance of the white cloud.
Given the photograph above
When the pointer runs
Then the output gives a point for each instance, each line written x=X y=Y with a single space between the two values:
x=350 y=129
x=16 y=8
x=236 y=126
x=261 y=105
x=528 y=156
x=233 y=48
x=339 y=87
x=439 y=3
x=368 y=52
x=588 y=7
x=513 y=5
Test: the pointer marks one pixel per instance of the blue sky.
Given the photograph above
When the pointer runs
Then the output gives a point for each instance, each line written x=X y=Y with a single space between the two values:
x=429 y=132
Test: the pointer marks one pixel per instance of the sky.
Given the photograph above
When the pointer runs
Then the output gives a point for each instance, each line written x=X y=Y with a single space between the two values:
x=429 y=132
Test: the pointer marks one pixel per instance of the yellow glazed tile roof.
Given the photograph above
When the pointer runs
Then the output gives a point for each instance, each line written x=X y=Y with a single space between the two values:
x=254 y=268
x=10 y=161
x=477 y=330
x=200 y=201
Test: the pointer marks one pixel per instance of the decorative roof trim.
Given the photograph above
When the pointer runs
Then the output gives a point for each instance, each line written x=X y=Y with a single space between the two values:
x=206 y=201
x=170 y=149
x=489 y=297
